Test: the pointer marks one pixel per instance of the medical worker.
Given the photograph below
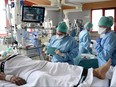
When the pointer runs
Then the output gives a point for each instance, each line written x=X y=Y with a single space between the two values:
x=74 y=29
x=66 y=46
x=85 y=39
x=106 y=46
x=35 y=40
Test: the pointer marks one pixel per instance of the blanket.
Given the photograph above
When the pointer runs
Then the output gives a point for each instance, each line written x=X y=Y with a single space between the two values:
x=39 y=73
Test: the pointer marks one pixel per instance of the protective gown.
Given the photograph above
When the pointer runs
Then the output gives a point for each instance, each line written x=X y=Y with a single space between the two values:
x=68 y=46
x=107 y=49
x=84 y=42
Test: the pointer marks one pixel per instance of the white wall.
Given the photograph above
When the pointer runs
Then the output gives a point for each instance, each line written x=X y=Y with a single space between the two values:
x=53 y=15
x=84 y=15
x=57 y=16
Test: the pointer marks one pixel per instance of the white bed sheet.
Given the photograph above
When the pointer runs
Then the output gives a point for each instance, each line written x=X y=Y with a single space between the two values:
x=34 y=77
x=100 y=83
x=96 y=83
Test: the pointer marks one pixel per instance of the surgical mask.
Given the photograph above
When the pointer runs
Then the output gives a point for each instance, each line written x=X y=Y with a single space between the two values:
x=102 y=35
x=101 y=30
x=59 y=37
x=91 y=29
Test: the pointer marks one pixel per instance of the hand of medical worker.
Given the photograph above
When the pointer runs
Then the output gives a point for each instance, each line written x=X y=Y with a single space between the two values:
x=99 y=40
x=59 y=53
x=17 y=80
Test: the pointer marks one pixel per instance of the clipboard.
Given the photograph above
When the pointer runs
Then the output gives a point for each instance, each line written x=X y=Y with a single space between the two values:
x=51 y=50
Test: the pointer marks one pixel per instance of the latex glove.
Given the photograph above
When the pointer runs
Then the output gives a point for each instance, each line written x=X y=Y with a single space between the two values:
x=99 y=40
x=59 y=53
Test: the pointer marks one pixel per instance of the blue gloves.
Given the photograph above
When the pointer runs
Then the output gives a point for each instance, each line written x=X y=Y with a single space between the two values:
x=99 y=40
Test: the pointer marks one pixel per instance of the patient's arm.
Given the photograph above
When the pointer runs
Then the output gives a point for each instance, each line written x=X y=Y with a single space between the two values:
x=2 y=76
x=17 y=80
x=14 y=79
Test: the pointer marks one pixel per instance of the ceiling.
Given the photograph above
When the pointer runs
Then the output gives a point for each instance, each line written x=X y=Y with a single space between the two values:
x=76 y=1
x=47 y=2
x=65 y=4
x=85 y=1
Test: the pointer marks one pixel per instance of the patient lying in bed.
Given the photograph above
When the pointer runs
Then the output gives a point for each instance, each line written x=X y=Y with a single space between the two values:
x=19 y=69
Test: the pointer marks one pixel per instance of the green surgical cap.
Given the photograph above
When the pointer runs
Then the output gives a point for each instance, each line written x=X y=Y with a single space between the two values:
x=62 y=27
x=88 y=25
x=106 y=21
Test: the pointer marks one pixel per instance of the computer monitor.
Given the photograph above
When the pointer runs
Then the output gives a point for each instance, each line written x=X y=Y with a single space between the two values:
x=33 y=14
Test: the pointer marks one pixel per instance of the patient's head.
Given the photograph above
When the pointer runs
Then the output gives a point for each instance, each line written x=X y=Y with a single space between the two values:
x=6 y=53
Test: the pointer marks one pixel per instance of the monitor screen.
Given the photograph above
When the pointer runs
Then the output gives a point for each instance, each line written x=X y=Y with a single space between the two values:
x=33 y=14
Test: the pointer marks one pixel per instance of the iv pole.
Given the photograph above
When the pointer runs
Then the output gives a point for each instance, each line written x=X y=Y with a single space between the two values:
x=9 y=19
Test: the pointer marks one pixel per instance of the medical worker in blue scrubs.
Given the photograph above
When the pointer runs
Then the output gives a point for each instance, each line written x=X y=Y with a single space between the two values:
x=66 y=46
x=85 y=39
x=106 y=46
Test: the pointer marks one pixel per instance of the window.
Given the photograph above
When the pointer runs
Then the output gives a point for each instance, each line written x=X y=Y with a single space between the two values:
x=2 y=17
x=110 y=12
x=96 y=15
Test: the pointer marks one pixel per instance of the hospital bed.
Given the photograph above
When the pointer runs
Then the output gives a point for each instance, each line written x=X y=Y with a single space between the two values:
x=31 y=81
x=96 y=83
